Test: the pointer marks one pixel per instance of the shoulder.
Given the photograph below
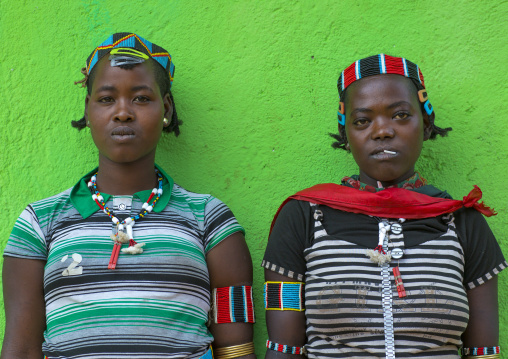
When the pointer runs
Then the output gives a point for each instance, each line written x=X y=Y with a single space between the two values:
x=199 y=204
x=192 y=198
x=53 y=205
x=432 y=191
x=470 y=220
x=296 y=205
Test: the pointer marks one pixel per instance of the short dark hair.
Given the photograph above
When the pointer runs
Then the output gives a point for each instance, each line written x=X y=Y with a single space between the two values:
x=341 y=138
x=162 y=79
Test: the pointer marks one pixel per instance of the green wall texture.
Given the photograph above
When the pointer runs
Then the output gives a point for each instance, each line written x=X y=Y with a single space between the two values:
x=255 y=85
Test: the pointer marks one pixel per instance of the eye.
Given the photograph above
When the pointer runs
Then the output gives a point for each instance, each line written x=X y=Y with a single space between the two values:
x=401 y=115
x=360 y=122
x=105 y=99
x=141 y=99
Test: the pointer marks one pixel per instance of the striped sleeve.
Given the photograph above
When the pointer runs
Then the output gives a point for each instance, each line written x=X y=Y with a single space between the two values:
x=482 y=254
x=219 y=223
x=290 y=235
x=27 y=239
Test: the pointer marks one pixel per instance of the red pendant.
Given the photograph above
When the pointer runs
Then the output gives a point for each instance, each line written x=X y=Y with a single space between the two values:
x=398 y=282
x=114 y=255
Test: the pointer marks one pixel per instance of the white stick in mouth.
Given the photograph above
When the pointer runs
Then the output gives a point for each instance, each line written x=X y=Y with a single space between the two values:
x=389 y=152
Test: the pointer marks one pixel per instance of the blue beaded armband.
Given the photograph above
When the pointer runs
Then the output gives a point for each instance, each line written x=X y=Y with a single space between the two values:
x=284 y=296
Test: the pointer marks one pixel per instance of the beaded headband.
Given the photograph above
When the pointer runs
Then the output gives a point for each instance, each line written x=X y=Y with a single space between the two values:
x=131 y=45
x=377 y=65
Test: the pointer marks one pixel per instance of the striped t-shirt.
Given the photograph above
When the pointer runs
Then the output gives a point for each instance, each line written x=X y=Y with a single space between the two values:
x=154 y=304
x=352 y=305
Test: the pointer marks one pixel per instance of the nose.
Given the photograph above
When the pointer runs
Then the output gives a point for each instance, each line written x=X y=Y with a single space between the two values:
x=382 y=129
x=123 y=111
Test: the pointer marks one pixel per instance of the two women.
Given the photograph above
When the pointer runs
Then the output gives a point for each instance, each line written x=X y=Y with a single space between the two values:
x=127 y=264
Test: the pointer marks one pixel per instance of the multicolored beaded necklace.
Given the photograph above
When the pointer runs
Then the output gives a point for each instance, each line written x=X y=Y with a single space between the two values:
x=415 y=181
x=124 y=228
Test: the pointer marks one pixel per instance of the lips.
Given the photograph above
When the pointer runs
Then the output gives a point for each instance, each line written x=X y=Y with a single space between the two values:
x=123 y=133
x=384 y=153
x=382 y=149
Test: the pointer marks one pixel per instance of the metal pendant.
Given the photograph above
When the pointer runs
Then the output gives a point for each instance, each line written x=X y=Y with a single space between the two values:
x=396 y=228
x=397 y=253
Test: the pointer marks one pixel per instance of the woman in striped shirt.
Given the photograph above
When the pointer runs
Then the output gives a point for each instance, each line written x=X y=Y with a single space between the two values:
x=127 y=264
x=383 y=265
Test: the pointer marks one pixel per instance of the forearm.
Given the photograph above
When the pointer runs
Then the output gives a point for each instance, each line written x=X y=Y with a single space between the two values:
x=232 y=336
x=483 y=326
x=285 y=327
x=24 y=308
x=272 y=354
x=18 y=352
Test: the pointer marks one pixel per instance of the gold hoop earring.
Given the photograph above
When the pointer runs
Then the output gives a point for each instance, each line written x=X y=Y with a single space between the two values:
x=165 y=122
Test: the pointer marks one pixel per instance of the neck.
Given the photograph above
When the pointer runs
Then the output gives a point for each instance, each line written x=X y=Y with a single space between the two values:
x=384 y=184
x=125 y=178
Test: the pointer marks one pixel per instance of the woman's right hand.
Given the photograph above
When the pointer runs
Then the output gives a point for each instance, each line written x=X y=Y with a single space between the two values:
x=25 y=312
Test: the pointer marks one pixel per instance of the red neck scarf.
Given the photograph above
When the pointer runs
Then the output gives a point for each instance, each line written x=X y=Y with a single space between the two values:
x=388 y=203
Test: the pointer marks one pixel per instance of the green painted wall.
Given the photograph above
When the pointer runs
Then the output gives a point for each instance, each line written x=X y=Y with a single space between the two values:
x=255 y=84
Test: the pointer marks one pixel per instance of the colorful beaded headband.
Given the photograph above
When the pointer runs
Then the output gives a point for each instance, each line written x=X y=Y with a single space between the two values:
x=129 y=44
x=377 y=65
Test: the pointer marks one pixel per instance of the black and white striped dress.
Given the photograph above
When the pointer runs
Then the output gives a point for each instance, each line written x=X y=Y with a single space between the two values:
x=352 y=306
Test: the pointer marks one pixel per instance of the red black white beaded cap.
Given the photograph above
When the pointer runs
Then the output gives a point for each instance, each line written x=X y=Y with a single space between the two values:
x=377 y=65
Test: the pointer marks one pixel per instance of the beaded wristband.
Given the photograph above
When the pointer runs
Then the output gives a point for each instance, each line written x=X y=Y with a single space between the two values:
x=490 y=356
x=284 y=348
x=233 y=305
x=480 y=351
x=284 y=296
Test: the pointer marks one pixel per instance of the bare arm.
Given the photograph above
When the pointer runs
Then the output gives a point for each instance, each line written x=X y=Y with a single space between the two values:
x=284 y=327
x=24 y=308
x=483 y=326
x=230 y=264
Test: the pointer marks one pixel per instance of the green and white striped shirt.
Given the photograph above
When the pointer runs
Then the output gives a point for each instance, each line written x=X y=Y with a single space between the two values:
x=154 y=304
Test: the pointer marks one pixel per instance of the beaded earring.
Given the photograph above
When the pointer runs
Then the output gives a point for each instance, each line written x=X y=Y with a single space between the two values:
x=424 y=98
x=340 y=114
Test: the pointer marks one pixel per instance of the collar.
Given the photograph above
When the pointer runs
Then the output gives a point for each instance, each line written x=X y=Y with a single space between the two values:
x=413 y=182
x=82 y=200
